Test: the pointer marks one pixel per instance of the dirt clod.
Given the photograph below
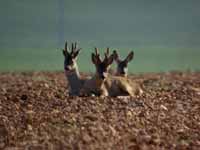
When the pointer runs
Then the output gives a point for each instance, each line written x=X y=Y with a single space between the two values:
x=36 y=111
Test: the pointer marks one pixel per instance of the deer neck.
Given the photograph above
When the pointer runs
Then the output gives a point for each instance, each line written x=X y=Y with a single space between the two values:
x=74 y=80
x=98 y=81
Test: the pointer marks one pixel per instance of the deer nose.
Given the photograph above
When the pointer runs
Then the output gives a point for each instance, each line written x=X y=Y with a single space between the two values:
x=104 y=75
x=124 y=71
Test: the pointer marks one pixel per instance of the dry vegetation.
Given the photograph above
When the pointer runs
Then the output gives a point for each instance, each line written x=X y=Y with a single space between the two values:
x=37 y=113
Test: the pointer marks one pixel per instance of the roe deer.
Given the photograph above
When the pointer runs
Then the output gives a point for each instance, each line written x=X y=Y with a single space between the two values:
x=95 y=85
x=104 y=84
x=122 y=65
x=71 y=69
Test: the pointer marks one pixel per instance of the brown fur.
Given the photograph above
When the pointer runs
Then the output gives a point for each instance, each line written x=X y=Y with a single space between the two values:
x=111 y=85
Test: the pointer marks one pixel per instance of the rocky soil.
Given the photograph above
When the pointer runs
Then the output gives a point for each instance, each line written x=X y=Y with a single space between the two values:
x=37 y=113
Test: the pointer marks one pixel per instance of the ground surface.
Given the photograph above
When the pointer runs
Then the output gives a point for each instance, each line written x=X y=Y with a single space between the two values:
x=37 y=113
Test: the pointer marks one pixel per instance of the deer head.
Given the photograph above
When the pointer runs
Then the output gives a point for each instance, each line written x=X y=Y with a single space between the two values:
x=70 y=57
x=122 y=65
x=102 y=66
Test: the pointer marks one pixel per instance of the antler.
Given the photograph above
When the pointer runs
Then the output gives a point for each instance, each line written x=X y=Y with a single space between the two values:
x=97 y=54
x=75 y=45
x=107 y=53
x=107 y=56
x=116 y=55
x=66 y=46
x=96 y=51
x=74 y=48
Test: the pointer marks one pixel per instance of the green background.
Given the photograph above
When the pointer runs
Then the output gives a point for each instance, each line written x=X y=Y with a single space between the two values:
x=165 y=35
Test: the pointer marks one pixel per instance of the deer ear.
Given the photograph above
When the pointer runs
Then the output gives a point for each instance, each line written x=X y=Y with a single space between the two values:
x=116 y=56
x=130 y=56
x=75 y=54
x=65 y=53
x=110 y=60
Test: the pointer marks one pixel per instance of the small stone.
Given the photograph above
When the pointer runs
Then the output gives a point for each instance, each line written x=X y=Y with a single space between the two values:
x=129 y=114
x=24 y=97
x=91 y=117
x=163 y=107
x=46 y=85
x=113 y=130
x=86 y=138
x=30 y=128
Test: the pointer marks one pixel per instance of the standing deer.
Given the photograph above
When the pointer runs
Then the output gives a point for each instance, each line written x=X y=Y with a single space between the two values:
x=104 y=84
x=71 y=69
x=122 y=65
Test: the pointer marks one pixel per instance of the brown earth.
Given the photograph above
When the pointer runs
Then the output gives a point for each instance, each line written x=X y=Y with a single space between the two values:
x=37 y=113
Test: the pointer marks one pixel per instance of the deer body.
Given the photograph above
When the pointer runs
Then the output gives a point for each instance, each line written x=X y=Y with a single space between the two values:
x=72 y=74
x=101 y=84
x=75 y=82
x=112 y=86
x=120 y=86
x=106 y=85
x=94 y=86
x=122 y=71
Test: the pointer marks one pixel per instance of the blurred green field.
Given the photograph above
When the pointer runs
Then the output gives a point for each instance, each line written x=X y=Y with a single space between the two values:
x=145 y=60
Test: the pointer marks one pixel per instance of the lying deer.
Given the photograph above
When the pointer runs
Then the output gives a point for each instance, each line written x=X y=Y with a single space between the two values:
x=95 y=85
x=122 y=65
x=104 y=84
x=71 y=69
